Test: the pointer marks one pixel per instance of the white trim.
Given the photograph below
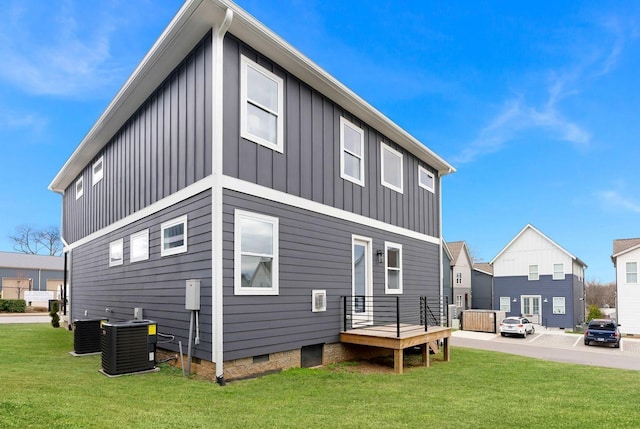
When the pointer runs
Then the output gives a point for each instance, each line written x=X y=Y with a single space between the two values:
x=560 y=276
x=81 y=183
x=144 y=234
x=97 y=177
x=627 y=272
x=346 y=123
x=508 y=300
x=421 y=169
x=561 y=300
x=182 y=220
x=533 y=276
x=314 y=296
x=385 y=147
x=248 y=188
x=240 y=215
x=389 y=245
x=365 y=318
x=113 y=246
x=278 y=146
x=158 y=206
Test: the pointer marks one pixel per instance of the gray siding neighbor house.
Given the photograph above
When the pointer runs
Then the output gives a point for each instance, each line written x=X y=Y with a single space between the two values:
x=482 y=286
x=20 y=272
x=230 y=158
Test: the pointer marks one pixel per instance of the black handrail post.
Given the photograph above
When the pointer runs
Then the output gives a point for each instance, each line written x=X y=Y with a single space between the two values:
x=398 y=316
x=344 y=313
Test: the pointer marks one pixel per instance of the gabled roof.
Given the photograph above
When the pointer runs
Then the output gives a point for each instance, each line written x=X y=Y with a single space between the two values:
x=456 y=247
x=624 y=245
x=484 y=267
x=31 y=262
x=532 y=228
x=194 y=19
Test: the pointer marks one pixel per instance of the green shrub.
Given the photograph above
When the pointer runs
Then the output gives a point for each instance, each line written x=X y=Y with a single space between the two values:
x=594 y=313
x=13 y=305
x=55 y=319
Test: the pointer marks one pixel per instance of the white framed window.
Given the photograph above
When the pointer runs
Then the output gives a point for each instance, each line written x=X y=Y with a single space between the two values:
x=632 y=272
x=79 y=187
x=505 y=304
x=391 y=161
x=458 y=278
x=262 y=108
x=116 y=253
x=533 y=272
x=256 y=258
x=558 y=305
x=351 y=152
x=558 y=272
x=426 y=179
x=459 y=301
x=139 y=246
x=173 y=236
x=393 y=267
x=97 y=171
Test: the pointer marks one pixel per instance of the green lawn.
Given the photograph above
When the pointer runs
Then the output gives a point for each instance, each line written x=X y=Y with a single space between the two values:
x=42 y=386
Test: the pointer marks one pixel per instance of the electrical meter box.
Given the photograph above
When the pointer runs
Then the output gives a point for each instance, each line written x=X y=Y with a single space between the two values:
x=192 y=298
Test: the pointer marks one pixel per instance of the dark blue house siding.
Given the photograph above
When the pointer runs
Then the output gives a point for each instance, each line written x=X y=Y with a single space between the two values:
x=315 y=253
x=157 y=284
x=164 y=147
x=481 y=285
x=310 y=165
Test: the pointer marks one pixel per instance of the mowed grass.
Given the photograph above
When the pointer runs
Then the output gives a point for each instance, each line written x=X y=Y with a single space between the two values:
x=42 y=386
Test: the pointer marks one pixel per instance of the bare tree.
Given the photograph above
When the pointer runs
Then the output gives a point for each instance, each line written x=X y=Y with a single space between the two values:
x=600 y=294
x=28 y=239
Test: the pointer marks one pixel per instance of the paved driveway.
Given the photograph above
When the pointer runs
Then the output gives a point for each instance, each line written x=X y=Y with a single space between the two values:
x=25 y=318
x=555 y=345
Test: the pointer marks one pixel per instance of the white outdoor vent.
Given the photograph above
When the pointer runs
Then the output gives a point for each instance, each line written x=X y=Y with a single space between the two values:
x=318 y=300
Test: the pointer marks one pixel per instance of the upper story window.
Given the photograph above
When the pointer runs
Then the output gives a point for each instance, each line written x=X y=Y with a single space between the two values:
x=139 y=246
x=351 y=152
x=173 y=236
x=558 y=271
x=98 y=171
x=533 y=272
x=458 y=278
x=116 y=253
x=255 y=254
x=79 y=187
x=262 y=108
x=391 y=167
x=393 y=267
x=426 y=179
x=632 y=272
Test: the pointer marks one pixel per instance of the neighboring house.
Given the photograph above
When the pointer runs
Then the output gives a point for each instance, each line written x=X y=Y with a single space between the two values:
x=482 y=286
x=20 y=272
x=536 y=277
x=626 y=260
x=230 y=158
x=461 y=264
x=447 y=274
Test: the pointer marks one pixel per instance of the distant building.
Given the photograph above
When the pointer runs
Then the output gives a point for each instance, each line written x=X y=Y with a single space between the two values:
x=20 y=272
x=461 y=264
x=626 y=260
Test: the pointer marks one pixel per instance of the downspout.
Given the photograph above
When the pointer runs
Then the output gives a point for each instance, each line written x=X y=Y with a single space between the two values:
x=65 y=277
x=217 y=122
x=440 y=247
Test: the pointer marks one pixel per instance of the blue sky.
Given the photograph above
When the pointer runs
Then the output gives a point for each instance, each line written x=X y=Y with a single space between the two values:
x=536 y=104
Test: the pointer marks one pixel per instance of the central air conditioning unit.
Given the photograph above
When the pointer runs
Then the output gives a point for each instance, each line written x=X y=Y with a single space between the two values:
x=128 y=346
x=86 y=336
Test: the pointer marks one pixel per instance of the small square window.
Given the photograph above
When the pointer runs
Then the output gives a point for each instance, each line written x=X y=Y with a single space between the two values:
x=139 y=246
x=393 y=268
x=632 y=272
x=351 y=152
x=558 y=271
x=533 y=272
x=426 y=179
x=173 y=236
x=391 y=168
x=98 y=171
x=116 y=253
x=79 y=188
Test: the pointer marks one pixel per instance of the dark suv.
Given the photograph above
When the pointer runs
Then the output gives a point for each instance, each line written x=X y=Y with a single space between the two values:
x=602 y=331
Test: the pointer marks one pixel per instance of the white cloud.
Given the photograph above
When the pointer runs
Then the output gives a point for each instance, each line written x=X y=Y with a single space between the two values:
x=614 y=200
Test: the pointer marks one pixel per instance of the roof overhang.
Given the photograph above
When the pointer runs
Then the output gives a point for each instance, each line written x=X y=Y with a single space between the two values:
x=194 y=19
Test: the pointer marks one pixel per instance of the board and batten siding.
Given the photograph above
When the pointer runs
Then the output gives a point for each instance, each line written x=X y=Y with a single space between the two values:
x=310 y=165
x=157 y=285
x=315 y=252
x=164 y=147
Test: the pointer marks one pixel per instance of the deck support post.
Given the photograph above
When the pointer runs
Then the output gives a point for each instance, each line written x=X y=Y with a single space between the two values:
x=398 y=360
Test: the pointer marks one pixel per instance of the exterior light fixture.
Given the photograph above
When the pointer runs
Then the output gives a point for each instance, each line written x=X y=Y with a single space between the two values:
x=380 y=255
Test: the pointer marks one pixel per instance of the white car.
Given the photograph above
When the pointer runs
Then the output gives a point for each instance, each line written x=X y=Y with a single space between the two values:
x=516 y=326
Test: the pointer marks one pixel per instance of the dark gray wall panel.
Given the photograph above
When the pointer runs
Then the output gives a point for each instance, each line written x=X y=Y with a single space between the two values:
x=481 y=285
x=315 y=253
x=157 y=284
x=164 y=147
x=310 y=165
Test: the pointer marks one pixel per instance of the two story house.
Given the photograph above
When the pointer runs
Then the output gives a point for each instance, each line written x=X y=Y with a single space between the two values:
x=461 y=265
x=626 y=260
x=230 y=158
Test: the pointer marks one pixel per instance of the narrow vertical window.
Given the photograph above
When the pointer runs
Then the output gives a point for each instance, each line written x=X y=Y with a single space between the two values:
x=533 y=272
x=458 y=278
x=632 y=272
x=426 y=179
x=173 y=236
x=351 y=152
x=393 y=268
x=505 y=304
x=98 y=171
x=558 y=271
x=79 y=188
x=116 y=253
x=262 y=111
x=255 y=254
x=139 y=246
x=459 y=301
x=391 y=166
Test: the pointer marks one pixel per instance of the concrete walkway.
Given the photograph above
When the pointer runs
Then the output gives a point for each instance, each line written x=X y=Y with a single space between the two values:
x=6 y=318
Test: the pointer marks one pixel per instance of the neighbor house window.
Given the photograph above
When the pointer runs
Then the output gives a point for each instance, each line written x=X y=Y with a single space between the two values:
x=116 y=252
x=533 y=272
x=458 y=278
x=391 y=167
x=393 y=267
x=558 y=271
x=139 y=246
x=79 y=188
x=505 y=304
x=558 y=305
x=426 y=179
x=262 y=109
x=351 y=152
x=255 y=254
x=458 y=300
x=173 y=236
x=632 y=272
x=98 y=171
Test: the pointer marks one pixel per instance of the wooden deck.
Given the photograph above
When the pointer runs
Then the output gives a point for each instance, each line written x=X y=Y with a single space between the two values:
x=410 y=336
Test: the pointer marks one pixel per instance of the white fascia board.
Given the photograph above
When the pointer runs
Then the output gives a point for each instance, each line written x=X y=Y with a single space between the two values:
x=622 y=252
